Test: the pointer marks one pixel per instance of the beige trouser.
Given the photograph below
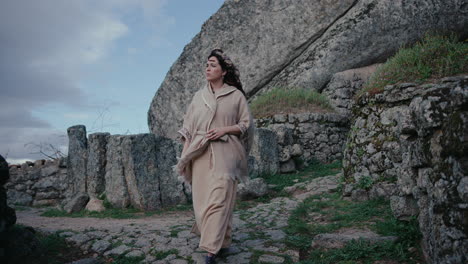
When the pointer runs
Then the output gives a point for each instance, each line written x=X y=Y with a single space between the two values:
x=213 y=202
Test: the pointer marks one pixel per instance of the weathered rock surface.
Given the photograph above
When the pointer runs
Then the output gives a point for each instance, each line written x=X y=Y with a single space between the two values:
x=316 y=186
x=77 y=203
x=263 y=156
x=252 y=189
x=95 y=168
x=139 y=172
x=304 y=137
x=311 y=40
x=415 y=138
x=95 y=205
x=344 y=85
x=339 y=240
x=39 y=183
x=77 y=159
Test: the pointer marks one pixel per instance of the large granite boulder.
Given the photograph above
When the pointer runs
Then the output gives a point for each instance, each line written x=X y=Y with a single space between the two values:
x=77 y=203
x=139 y=172
x=298 y=43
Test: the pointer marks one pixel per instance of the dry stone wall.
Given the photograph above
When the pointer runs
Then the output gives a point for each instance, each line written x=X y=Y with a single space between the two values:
x=127 y=170
x=43 y=182
x=307 y=136
x=410 y=145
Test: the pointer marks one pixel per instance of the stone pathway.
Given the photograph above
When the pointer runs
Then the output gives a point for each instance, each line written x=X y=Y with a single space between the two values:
x=166 y=238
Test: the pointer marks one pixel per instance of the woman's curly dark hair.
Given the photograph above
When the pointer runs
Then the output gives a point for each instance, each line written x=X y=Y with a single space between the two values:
x=232 y=73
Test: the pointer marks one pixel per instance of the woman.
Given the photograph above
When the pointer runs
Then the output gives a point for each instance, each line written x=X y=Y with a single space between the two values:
x=217 y=134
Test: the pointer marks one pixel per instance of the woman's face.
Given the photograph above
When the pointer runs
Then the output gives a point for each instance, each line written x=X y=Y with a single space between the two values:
x=213 y=71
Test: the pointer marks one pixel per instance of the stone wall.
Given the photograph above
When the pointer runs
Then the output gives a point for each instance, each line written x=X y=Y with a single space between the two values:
x=307 y=136
x=127 y=170
x=410 y=144
x=43 y=182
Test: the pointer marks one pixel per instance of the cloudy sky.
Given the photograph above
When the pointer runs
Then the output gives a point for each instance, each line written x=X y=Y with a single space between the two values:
x=96 y=63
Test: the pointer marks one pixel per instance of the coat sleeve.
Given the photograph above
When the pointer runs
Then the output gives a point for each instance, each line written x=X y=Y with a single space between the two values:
x=245 y=123
x=185 y=131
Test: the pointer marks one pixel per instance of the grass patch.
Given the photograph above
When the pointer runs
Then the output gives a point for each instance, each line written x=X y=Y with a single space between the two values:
x=176 y=229
x=279 y=181
x=21 y=208
x=360 y=251
x=163 y=254
x=285 y=100
x=314 y=170
x=435 y=56
x=336 y=214
x=117 y=213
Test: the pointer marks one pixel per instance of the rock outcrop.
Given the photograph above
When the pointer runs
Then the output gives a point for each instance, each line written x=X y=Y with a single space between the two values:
x=298 y=43
x=410 y=144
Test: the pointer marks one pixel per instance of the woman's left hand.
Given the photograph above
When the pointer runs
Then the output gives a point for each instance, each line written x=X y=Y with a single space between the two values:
x=215 y=133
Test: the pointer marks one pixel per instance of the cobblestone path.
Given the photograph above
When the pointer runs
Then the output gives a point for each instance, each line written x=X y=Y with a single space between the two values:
x=257 y=236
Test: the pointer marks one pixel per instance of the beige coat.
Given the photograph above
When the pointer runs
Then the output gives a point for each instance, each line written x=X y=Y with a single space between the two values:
x=207 y=111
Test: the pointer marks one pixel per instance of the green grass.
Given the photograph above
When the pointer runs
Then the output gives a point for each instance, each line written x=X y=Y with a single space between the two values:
x=21 y=208
x=125 y=213
x=435 y=56
x=289 y=100
x=117 y=213
x=163 y=254
x=337 y=214
x=360 y=251
x=280 y=181
x=314 y=170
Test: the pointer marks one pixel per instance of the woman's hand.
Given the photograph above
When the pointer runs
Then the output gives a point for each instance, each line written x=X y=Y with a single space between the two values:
x=216 y=133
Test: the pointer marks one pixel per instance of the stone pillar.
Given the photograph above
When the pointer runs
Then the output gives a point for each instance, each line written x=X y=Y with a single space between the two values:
x=77 y=159
x=139 y=172
x=96 y=165
x=264 y=153
x=116 y=185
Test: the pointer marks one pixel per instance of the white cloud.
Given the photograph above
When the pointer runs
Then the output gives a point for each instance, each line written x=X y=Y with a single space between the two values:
x=46 y=46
